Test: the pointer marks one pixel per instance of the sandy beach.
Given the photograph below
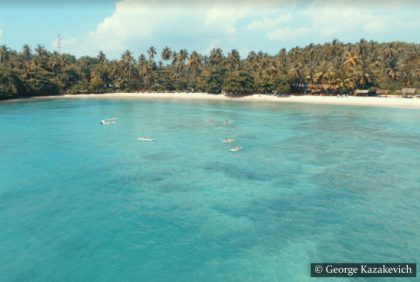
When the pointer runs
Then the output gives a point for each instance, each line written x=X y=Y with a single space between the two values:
x=396 y=102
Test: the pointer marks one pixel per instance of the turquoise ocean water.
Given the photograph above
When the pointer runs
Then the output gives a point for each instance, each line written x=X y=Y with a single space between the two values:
x=312 y=183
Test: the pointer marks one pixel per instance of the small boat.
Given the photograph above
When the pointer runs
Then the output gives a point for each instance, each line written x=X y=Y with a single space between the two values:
x=235 y=149
x=228 y=140
x=145 y=139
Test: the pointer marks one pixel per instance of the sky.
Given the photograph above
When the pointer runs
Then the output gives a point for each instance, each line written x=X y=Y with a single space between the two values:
x=87 y=27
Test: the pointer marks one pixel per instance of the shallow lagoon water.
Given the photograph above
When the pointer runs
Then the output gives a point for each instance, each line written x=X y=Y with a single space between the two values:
x=313 y=183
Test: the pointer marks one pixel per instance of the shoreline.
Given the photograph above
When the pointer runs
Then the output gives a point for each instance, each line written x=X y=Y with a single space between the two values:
x=394 y=102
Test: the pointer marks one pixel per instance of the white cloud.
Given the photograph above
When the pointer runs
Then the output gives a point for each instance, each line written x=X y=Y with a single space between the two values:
x=340 y=18
x=269 y=23
x=375 y=26
x=137 y=24
x=324 y=20
x=142 y=21
x=131 y=19
x=331 y=19
x=283 y=34
x=224 y=18
x=177 y=24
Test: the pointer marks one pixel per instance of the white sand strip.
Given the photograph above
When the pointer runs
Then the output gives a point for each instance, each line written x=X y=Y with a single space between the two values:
x=332 y=100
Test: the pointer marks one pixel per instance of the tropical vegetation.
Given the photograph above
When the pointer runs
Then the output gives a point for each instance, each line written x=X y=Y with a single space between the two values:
x=333 y=67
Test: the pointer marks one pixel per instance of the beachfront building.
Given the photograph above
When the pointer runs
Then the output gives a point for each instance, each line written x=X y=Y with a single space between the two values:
x=361 y=92
x=408 y=92
x=382 y=92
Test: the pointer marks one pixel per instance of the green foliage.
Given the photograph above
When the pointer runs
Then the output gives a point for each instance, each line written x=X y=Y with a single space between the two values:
x=96 y=84
x=181 y=85
x=42 y=86
x=201 y=83
x=157 y=88
x=11 y=86
x=80 y=88
x=69 y=77
x=215 y=81
x=265 y=86
x=239 y=83
x=331 y=67
x=282 y=86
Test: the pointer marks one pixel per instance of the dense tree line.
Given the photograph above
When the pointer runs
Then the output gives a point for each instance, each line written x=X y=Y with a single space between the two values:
x=341 y=67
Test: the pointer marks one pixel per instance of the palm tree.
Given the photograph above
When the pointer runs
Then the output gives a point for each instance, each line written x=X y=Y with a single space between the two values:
x=296 y=72
x=324 y=72
x=166 y=54
x=350 y=59
x=151 y=52
x=55 y=63
x=345 y=66
x=392 y=73
x=26 y=52
x=391 y=63
x=146 y=71
x=4 y=54
x=102 y=57
x=127 y=61
x=216 y=58
x=252 y=61
x=364 y=75
x=335 y=49
x=295 y=53
x=178 y=62
x=40 y=50
x=174 y=58
x=194 y=64
x=102 y=71
x=183 y=55
x=362 y=49
x=283 y=62
x=42 y=56
x=233 y=60
x=390 y=51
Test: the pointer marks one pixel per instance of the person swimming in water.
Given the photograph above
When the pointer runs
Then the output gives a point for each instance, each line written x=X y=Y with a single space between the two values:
x=145 y=138
x=228 y=140
x=227 y=122
x=108 y=121
x=235 y=148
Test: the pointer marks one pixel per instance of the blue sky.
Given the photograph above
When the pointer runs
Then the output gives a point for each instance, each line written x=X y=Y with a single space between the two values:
x=115 y=26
